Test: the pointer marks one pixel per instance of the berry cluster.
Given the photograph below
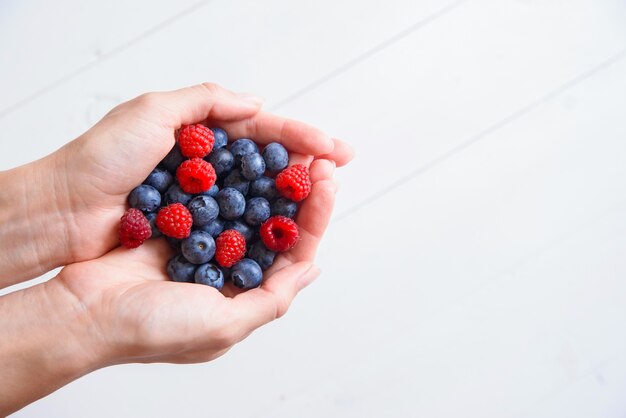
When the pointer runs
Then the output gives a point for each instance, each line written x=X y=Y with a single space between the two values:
x=226 y=209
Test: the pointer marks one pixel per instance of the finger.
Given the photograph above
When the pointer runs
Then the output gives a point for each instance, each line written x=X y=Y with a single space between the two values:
x=259 y=306
x=150 y=258
x=342 y=154
x=296 y=136
x=197 y=103
x=297 y=158
x=321 y=170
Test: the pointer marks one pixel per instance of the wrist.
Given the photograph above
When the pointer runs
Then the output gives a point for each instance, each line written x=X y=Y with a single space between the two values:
x=33 y=239
x=48 y=338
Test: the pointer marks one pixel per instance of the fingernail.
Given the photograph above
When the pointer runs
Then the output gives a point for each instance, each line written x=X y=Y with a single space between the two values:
x=308 y=277
x=251 y=98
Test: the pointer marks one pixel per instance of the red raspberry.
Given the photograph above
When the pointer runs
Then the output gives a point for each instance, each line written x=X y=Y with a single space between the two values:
x=279 y=233
x=174 y=221
x=294 y=182
x=134 y=229
x=230 y=247
x=195 y=141
x=195 y=175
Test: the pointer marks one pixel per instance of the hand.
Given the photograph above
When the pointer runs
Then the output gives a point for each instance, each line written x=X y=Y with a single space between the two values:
x=140 y=316
x=74 y=214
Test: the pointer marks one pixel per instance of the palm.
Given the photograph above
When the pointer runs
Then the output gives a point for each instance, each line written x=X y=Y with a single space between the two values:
x=159 y=320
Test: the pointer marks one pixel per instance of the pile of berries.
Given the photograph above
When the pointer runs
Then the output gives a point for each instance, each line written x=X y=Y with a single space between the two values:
x=226 y=209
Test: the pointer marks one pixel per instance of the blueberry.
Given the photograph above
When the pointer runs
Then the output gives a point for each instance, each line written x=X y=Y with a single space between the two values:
x=215 y=227
x=152 y=219
x=203 y=210
x=222 y=160
x=276 y=157
x=174 y=243
x=246 y=274
x=176 y=195
x=257 y=211
x=259 y=253
x=160 y=179
x=173 y=159
x=210 y=275
x=246 y=230
x=181 y=270
x=252 y=166
x=198 y=247
x=241 y=147
x=284 y=207
x=221 y=138
x=237 y=181
x=263 y=187
x=145 y=198
x=212 y=192
x=231 y=202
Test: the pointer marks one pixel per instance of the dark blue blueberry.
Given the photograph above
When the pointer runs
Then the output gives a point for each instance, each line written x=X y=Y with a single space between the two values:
x=203 y=210
x=231 y=202
x=246 y=274
x=284 y=207
x=176 y=195
x=174 y=243
x=237 y=181
x=276 y=157
x=152 y=220
x=246 y=230
x=263 y=187
x=259 y=253
x=173 y=159
x=252 y=166
x=210 y=275
x=215 y=227
x=221 y=138
x=181 y=270
x=257 y=211
x=212 y=192
x=145 y=198
x=222 y=161
x=241 y=147
x=198 y=247
x=160 y=179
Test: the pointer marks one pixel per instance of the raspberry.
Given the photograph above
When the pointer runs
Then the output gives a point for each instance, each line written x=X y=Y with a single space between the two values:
x=134 y=228
x=195 y=175
x=230 y=247
x=294 y=182
x=195 y=141
x=279 y=233
x=174 y=221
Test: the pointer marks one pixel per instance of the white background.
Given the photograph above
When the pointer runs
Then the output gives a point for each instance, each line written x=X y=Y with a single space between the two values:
x=476 y=262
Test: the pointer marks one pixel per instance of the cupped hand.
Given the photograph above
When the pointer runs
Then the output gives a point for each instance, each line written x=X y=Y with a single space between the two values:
x=95 y=173
x=137 y=315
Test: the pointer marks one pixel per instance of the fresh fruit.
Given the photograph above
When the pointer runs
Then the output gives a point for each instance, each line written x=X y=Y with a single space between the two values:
x=276 y=157
x=221 y=138
x=222 y=161
x=195 y=141
x=203 y=210
x=159 y=179
x=246 y=230
x=279 y=233
x=145 y=198
x=176 y=195
x=284 y=207
x=212 y=192
x=173 y=159
x=215 y=227
x=152 y=221
x=174 y=221
x=237 y=181
x=198 y=247
x=294 y=182
x=241 y=147
x=181 y=270
x=195 y=175
x=259 y=253
x=231 y=202
x=263 y=187
x=134 y=228
x=252 y=166
x=257 y=211
x=230 y=247
x=210 y=275
x=246 y=274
